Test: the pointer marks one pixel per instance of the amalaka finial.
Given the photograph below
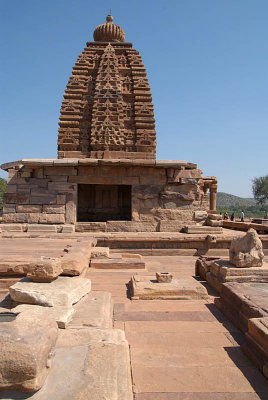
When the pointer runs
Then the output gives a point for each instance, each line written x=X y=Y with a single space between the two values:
x=109 y=32
x=109 y=18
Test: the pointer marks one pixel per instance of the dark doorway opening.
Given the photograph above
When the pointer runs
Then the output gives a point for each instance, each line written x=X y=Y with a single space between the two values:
x=101 y=203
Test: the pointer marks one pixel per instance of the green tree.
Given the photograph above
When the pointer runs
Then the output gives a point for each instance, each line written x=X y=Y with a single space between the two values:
x=260 y=189
x=3 y=187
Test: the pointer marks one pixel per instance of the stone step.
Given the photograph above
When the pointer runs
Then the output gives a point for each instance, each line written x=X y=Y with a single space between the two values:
x=202 y=229
x=117 y=263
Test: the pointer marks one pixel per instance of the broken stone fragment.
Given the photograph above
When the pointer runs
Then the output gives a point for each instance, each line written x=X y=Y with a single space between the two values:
x=163 y=277
x=247 y=251
x=100 y=252
x=26 y=345
x=45 y=270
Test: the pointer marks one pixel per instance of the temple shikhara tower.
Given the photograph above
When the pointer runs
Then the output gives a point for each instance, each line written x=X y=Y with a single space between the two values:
x=106 y=176
x=107 y=111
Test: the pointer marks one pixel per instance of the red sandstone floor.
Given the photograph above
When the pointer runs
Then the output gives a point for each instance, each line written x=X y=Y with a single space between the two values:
x=180 y=350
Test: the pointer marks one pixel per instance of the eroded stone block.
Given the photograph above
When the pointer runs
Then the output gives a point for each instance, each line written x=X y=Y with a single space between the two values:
x=25 y=351
x=45 y=270
x=247 y=251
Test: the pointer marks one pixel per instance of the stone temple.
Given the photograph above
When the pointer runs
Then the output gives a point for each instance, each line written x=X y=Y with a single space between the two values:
x=106 y=176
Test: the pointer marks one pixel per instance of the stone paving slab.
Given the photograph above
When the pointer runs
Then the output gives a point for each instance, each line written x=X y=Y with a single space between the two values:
x=165 y=316
x=178 y=326
x=186 y=357
x=200 y=396
x=164 y=335
x=198 y=379
x=174 y=341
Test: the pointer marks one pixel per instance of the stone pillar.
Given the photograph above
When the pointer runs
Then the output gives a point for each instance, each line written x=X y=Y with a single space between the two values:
x=213 y=197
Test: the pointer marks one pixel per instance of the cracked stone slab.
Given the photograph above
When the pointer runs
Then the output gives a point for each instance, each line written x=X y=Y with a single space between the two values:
x=63 y=292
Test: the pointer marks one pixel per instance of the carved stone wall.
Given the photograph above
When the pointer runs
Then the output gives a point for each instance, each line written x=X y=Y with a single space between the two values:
x=107 y=110
x=168 y=198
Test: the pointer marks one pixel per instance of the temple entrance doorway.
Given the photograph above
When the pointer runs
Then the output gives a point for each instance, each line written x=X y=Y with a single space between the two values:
x=102 y=203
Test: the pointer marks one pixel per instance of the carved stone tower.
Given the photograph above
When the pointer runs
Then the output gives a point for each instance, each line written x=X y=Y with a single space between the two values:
x=107 y=111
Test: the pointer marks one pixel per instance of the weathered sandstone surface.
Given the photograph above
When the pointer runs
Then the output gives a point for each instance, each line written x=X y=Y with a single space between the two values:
x=247 y=251
x=25 y=351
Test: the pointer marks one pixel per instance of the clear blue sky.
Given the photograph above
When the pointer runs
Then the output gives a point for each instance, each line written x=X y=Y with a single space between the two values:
x=207 y=63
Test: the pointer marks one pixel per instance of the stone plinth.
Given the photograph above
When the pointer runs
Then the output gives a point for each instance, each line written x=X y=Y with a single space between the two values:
x=247 y=307
x=218 y=271
x=147 y=288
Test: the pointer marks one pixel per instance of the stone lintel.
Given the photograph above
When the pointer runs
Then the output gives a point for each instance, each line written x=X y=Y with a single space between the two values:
x=36 y=162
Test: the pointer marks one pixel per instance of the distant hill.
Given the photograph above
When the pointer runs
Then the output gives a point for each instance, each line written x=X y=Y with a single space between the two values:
x=229 y=200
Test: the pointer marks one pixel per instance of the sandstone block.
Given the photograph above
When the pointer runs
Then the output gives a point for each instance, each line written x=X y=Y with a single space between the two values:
x=75 y=263
x=188 y=181
x=132 y=255
x=215 y=223
x=51 y=218
x=49 y=199
x=70 y=208
x=163 y=277
x=28 y=208
x=215 y=217
x=89 y=363
x=143 y=287
x=247 y=251
x=25 y=351
x=60 y=170
x=100 y=252
x=68 y=229
x=258 y=330
x=95 y=309
x=131 y=226
x=117 y=263
x=41 y=228
x=202 y=229
x=90 y=227
x=9 y=208
x=16 y=198
x=45 y=270
x=62 y=315
x=62 y=292
x=54 y=209
x=200 y=215
x=61 y=199
x=12 y=227
x=171 y=226
x=15 y=218
x=11 y=188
